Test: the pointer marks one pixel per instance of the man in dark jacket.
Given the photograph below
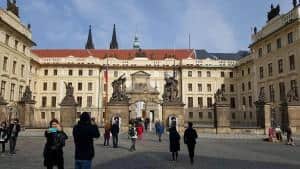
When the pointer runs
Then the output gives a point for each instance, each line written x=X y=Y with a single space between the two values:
x=84 y=133
x=13 y=133
x=115 y=132
x=190 y=136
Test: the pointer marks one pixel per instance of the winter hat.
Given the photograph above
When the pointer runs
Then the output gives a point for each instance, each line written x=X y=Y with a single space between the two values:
x=85 y=117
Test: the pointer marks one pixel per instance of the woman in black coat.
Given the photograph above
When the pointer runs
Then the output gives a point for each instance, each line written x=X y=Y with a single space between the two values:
x=53 y=151
x=3 y=135
x=174 y=138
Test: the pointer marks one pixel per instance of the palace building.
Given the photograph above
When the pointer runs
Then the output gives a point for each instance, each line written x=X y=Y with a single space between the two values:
x=267 y=74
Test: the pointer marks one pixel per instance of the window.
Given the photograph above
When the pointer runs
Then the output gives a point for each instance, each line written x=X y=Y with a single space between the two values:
x=222 y=74
x=105 y=87
x=55 y=72
x=200 y=102
x=70 y=72
x=12 y=91
x=24 y=48
x=260 y=52
x=80 y=72
x=250 y=115
x=208 y=74
x=261 y=72
x=116 y=74
x=90 y=86
x=243 y=72
x=292 y=62
x=231 y=74
x=5 y=61
x=245 y=115
x=14 y=67
x=244 y=101
x=54 y=86
x=2 y=91
x=52 y=115
x=90 y=72
x=272 y=93
x=269 y=48
x=43 y=115
x=7 y=37
x=249 y=85
x=294 y=86
x=79 y=87
x=278 y=43
x=199 y=87
x=200 y=115
x=233 y=116
x=290 y=38
x=280 y=66
x=89 y=101
x=209 y=114
x=209 y=87
x=270 y=69
x=250 y=101
x=232 y=102
x=22 y=70
x=223 y=87
x=45 y=86
x=199 y=74
x=190 y=102
x=16 y=44
x=44 y=101
x=209 y=102
x=46 y=72
x=249 y=71
x=282 y=91
x=53 y=101
x=231 y=88
x=243 y=86
x=190 y=87
x=20 y=92
x=79 y=101
x=191 y=115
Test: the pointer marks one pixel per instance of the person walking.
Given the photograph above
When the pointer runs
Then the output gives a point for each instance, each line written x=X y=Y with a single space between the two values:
x=107 y=129
x=115 y=129
x=13 y=133
x=190 y=136
x=160 y=131
x=53 y=150
x=133 y=136
x=140 y=130
x=3 y=135
x=174 y=138
x=84 y=133
x=289 y=135
x=278 y=133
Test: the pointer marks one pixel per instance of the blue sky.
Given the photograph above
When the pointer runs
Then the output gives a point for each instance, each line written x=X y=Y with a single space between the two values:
x=214 y=25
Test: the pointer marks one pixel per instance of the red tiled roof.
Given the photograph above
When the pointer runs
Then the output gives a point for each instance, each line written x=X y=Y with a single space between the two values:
x=122 y=54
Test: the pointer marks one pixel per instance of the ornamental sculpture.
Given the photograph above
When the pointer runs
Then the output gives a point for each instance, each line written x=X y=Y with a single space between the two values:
x=292 y=95
x=69 y=99
x=27 y=96
x=219 y=96
x=171 y=90
x=261 y=97
x=273 y=12
x=119 y=90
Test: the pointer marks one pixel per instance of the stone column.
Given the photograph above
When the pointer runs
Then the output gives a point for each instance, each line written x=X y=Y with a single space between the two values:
x=26 y=107
x=267 y=117
x=223 y=118
x=175 y=110
x=3 y=112
x=120 y=110
x=294 y=117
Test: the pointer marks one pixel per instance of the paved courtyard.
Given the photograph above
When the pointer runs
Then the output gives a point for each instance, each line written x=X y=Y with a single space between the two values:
x=211 y=153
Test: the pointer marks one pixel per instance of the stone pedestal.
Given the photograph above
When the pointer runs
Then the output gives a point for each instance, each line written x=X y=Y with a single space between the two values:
x=294 y=117
x=68 y=115
x=170 y=110
x=27 y=114
x=222 y=112
x=267 y=117
x=120 y=110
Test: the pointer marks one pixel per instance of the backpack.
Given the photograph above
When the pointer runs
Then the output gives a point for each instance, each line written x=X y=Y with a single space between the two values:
x=131 y=132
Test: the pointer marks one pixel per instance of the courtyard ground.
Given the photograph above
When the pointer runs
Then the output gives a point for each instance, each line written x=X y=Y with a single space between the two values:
x=212 y=152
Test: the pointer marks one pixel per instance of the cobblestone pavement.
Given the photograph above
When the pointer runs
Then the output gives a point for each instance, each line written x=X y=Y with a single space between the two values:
x=211 y=153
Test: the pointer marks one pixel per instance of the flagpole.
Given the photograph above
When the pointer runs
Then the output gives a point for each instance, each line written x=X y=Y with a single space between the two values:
x=106 y=90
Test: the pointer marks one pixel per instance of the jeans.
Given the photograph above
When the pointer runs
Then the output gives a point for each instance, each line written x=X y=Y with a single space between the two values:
x=12 y=145
x=115 y=140
x=83 y=164
x=106 y=141
x=133 y=141
x=59 y=166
